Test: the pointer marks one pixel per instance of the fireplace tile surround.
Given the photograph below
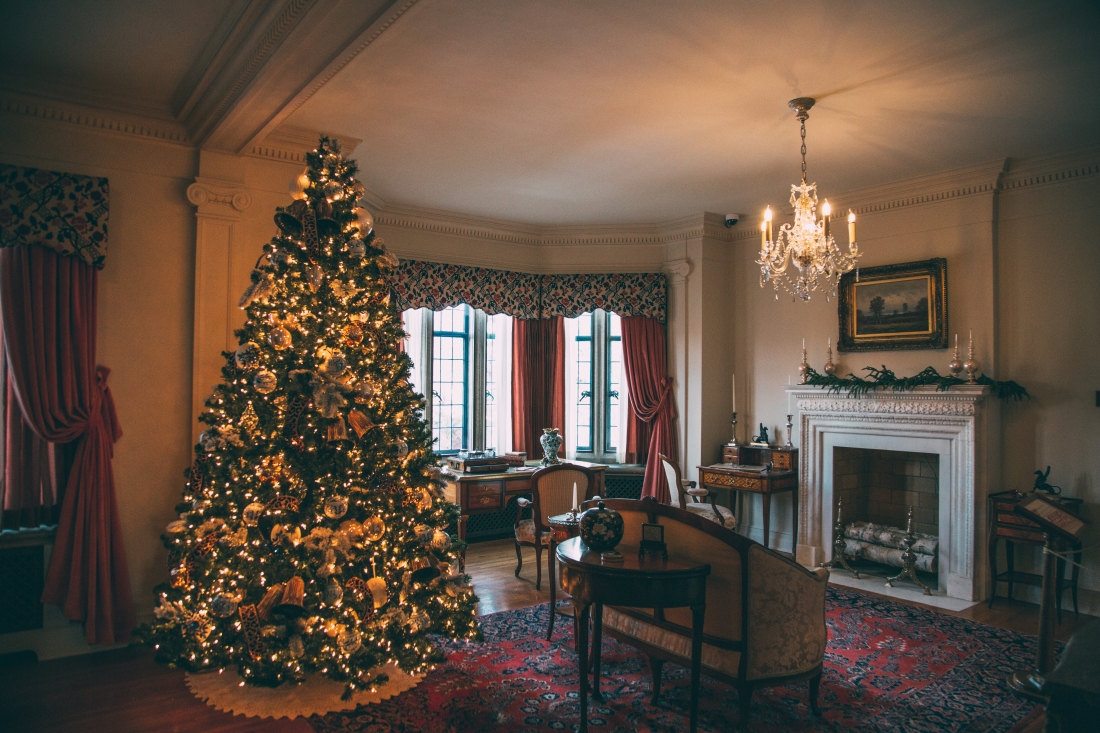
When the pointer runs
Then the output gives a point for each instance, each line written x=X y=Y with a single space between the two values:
x=957 y=426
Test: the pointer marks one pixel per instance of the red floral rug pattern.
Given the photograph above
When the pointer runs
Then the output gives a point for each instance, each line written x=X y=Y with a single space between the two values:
x=888 y=667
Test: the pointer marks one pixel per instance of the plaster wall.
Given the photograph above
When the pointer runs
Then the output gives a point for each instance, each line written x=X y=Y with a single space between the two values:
x=144 y=332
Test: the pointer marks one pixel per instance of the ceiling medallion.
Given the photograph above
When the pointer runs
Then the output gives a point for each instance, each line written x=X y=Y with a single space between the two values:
x=807 y=244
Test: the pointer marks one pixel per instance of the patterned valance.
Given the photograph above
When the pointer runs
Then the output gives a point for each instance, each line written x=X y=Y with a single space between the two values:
x=522 y=295
x=62 y=211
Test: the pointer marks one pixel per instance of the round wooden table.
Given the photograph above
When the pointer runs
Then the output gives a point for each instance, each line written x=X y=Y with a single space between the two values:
x=648 y=582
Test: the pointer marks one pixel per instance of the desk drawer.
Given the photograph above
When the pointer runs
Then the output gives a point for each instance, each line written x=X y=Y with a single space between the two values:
x=1020 y=534
x=1013 y=518
x=781 y=461
x=518 y=486
x=484 y=495
x=746 y=483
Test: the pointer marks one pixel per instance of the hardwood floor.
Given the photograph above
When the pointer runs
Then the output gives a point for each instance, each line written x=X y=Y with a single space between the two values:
x=125 y=691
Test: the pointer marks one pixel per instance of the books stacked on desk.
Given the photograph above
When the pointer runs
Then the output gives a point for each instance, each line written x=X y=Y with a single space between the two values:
x=477 y=462
x=516 y=458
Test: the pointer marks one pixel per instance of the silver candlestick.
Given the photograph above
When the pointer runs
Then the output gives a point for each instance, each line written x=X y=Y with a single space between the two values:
x=790 y=424
x=956 y=364
x=733 y=424
x=804 y=367
x=971 y=365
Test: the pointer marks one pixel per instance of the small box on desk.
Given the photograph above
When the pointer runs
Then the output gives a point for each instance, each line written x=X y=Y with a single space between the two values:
x=781 y=459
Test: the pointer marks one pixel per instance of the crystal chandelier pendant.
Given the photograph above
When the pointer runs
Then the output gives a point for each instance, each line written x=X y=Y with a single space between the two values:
x=805 y=256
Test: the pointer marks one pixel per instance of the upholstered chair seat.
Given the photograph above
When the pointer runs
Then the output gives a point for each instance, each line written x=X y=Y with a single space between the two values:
x=707 y=511
x=525 y=533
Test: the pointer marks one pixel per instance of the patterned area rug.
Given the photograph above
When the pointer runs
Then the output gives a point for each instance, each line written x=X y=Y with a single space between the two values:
x=889 y=667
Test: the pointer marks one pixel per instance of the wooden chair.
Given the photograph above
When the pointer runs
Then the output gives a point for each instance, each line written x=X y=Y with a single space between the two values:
x=764 y=624
x=551 y=494
x=695 y=503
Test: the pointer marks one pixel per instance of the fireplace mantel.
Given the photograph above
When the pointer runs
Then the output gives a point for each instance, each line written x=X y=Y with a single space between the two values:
x=958 y=425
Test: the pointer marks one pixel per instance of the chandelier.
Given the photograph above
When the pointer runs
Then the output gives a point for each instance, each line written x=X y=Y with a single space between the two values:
x=808 y=243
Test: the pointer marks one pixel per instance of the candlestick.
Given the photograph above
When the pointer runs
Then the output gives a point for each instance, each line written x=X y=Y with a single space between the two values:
x=789 y=425
x=971 y=366
x=956 y=365
x=733 y=377
x=733 y=424
x=804 y=367
x=830 y=367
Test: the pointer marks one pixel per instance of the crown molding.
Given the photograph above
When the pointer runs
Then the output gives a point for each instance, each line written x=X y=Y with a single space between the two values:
x=102 y=120
x=50 y=91
x=291 y=144
x=1053 y=168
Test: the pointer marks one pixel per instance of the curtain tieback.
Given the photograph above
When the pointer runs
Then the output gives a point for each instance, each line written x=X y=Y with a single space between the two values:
x=650 y=415
x=104 y=413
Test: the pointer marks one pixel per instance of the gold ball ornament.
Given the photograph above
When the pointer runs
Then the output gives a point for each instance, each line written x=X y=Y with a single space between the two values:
x=424 y=500
x=402 y=449
x=379 y=595
x=298 y=186
x=364 y=220
x=374 y=528
x=247 y=355
x=349 y=641
x=224 y=605
x=252 y=513
x=334 y=191
x=279 y=338
x=440 y=540
x=353 y=334
x=333 y=593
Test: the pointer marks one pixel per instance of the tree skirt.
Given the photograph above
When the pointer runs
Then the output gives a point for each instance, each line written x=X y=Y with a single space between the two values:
x=316 y=696
x=888 y=667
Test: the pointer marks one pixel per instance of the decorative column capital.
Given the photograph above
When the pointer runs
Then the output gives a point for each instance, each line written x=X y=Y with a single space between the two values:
x=677 y=271
x=218 y=198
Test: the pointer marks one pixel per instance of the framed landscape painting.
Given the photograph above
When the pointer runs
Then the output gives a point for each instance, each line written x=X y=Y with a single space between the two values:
x=894 y=307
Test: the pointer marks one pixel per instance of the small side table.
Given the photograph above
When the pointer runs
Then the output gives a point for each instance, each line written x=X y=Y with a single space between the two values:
x=1005 y=524
x=767 y=483
x=562 y=527
x=636 y=582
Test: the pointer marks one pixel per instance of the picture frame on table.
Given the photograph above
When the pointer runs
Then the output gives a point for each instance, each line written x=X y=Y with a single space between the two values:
x=894 y=307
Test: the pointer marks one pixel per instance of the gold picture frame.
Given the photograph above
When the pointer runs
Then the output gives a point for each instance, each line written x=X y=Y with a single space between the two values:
x=894 y=307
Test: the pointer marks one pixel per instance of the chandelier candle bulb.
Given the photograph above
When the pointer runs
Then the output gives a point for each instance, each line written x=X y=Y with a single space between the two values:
x=826 y=210
x=768 y=224
x=763 y=235
x=851 y=228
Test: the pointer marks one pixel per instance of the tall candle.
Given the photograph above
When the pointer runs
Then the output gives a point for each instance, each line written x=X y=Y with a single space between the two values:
x=734 y=377
x=575 y=495
x=789 y=402
x=851 y=227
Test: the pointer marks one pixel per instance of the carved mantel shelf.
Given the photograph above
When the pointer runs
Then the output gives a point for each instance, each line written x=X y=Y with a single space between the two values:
x=953 y=424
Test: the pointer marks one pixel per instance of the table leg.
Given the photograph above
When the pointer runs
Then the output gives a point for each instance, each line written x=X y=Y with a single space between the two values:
x=597 y=648
x=582 y=652
x=767 y=499
x=697 y=615
x=1073 y=580
x=1059 y=582
x=1010 y=559
x=993 y=564
x=550 y=562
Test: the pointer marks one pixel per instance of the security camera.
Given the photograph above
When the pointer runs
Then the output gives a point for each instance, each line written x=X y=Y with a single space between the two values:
x=732 y=219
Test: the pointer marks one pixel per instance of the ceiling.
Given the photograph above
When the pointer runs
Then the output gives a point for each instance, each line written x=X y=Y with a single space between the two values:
x=611 y=112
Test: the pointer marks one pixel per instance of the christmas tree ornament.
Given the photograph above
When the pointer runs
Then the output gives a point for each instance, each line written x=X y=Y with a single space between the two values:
x=289 y=220
x=250 y=625
x=353 y=334
x=337 y=430
x=356 y=249
x=177 y=527
x=298 y=186
x=315 y=276
x=440 y=540
x=402 y=448
x=199 y=627
x=374 y=528
x=336 y=506
x=224 y=605
x=379 y=595
x=296 y=647
x=265 y=382
x=419 y=621
x=272 y=598
x=343 y=290
x=292 y=604
x=334 y=191
x=252 y=513
x=335 y=365
x=279 y=338
x=388 y=261
x=423 y=533
x=166 y=610
x=364 y=220
x=359 y=422
x=326 y=225
x=259 y=290
x=422 y=569
x=249 y=420
x=247 y=355
x=364 y=391
x=424 y=500
x=353 y=532
x=328 y=400
x=333 y=592
x=349 y=641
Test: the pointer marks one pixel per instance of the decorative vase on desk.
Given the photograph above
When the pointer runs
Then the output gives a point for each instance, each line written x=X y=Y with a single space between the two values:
x=551 y=441
x=601 y=529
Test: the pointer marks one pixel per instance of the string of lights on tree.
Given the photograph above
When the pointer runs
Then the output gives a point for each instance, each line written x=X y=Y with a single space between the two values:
x=312 y=536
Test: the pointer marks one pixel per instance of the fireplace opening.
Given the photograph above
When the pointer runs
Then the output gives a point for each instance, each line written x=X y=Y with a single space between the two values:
x=877 y=489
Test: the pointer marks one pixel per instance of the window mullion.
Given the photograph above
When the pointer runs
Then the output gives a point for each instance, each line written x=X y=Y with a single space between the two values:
x=476 y=398
x=599 y=383
x=427 y=332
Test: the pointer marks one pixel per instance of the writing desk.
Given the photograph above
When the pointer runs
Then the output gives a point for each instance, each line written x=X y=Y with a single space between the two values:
x=780 y=478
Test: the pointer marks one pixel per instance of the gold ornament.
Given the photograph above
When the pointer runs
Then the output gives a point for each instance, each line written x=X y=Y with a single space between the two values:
x=353 y=334
x=279 y=338
x=424 y=501
x=252 y=513
x=316 y=277
x=374 y=528
x=265 y=382
x=249 y=420
x=338 y=430
x=359 y=422
x=379 y=594
x=336 y=506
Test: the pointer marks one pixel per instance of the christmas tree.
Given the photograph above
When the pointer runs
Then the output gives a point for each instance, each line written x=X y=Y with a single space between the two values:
x=312 y=536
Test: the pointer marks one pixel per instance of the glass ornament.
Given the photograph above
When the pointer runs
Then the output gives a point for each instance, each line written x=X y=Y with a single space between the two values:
x=353 y=532
x=440 y=540
x=353 y=334
x=252 y=513
x=419 y=621
x=424 y=501
x=334 y=191
x=374 y=528
x=336 y=506
x=364 y=390
x=402 y=449
x=364 y=220
x=336 y=365
x=265 y=382
x=333 y=593
x=247 y=355
x=349 y=641
x=279 y=338
x=224 y=605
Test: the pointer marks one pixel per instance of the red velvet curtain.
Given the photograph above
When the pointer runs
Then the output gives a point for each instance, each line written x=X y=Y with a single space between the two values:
x=48 y=317
x=637 y=437
x=538 y=381
x=646 y=367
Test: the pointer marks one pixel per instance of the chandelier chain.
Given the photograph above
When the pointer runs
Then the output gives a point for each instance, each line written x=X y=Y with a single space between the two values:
x=803 y=151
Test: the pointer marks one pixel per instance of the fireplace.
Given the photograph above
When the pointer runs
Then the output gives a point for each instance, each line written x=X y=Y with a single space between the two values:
x=950 y=429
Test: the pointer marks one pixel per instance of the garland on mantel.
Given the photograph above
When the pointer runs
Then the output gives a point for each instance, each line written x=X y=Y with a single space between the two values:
x=886 y=379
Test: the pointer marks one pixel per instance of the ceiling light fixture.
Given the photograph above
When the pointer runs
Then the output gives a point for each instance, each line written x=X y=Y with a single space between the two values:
x=807 y=244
